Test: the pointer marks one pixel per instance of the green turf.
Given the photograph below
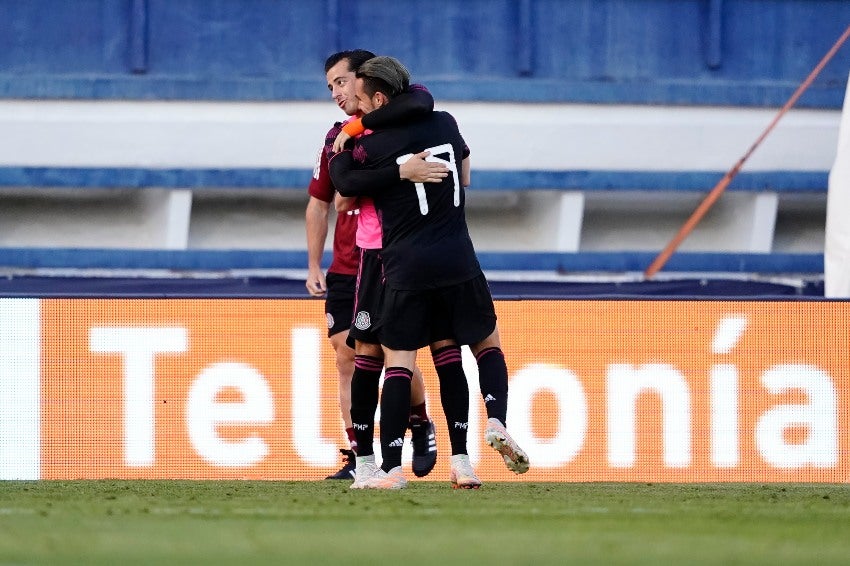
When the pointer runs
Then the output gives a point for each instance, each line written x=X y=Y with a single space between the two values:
x=232 y=522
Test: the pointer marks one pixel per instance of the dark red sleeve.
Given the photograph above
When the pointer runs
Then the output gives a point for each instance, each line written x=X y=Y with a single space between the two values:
x=321 y=186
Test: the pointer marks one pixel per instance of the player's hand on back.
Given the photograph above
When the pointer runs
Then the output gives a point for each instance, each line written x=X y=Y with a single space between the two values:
x=417 y=170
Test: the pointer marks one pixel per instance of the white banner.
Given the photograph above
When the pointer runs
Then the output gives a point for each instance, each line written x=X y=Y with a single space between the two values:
x=20 y=389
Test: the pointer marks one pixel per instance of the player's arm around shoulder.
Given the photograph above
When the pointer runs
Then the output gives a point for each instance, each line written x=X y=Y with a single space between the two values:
x=350 y=177
x=413 y=103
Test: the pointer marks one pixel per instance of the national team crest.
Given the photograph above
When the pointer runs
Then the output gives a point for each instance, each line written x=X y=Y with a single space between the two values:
x=362 y=321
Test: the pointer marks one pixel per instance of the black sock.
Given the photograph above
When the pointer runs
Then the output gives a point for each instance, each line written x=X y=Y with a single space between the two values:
x=395 y=413
x=454 y=395
x=364 y=401
x=493 y=379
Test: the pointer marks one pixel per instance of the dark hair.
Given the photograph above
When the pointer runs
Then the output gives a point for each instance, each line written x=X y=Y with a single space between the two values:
x=384 y=74
x=356 y=57
x=371 y=85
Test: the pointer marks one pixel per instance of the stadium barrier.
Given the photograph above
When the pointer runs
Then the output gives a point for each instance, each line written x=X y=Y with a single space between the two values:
x=565 y=178
x=562 y=221
x=601 y=390
x=235 y=263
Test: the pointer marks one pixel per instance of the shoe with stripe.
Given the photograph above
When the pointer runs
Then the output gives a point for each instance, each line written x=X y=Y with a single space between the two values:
x=423 y=437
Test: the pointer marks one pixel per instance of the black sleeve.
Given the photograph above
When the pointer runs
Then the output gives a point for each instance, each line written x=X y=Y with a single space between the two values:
x=350 y=181
x=465 y=147
x=414 y=102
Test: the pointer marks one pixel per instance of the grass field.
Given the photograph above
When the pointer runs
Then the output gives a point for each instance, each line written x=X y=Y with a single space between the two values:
x=233 y=522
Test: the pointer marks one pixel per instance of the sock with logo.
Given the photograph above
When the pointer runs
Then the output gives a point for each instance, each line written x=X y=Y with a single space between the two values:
x=454 y=395
x=364 y=401
x=395 y=413
x=493 y=379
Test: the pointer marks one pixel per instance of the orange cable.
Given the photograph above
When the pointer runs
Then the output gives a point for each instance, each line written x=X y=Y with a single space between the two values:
x=718 y=189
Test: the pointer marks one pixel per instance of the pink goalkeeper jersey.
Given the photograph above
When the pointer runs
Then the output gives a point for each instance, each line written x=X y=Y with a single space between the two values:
x=369 y=233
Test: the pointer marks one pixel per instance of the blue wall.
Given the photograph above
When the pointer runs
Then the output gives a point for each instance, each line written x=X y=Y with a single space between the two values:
x=739 y=52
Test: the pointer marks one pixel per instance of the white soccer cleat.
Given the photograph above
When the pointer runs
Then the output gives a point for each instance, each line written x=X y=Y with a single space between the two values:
x=365 y=470
x=463 y=476
x=394 y=479
x=497 y=436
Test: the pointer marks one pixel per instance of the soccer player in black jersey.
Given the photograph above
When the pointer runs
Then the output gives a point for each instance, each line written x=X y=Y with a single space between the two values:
x=369 y=356
x=435 y=288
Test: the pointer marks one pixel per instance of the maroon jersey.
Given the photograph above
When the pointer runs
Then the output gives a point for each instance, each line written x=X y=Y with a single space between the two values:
x=346 y=256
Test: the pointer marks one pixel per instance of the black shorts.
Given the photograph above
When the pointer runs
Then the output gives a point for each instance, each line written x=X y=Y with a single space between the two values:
x=339 y=302
x=369 y=298
x=413 y=319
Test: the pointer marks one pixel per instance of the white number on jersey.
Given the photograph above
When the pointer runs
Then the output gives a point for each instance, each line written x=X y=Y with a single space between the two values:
x=318 y=166
x=450 y=163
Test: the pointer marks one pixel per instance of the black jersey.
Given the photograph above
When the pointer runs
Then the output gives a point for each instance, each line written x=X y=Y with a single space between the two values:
x=426 y=242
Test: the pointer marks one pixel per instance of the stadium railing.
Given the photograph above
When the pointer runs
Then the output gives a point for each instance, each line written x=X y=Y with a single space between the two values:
x=562 y=238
